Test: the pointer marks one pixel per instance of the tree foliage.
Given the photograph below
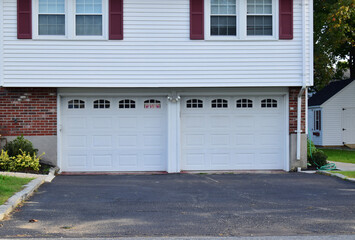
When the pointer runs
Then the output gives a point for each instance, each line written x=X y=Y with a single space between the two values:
x=334 y=40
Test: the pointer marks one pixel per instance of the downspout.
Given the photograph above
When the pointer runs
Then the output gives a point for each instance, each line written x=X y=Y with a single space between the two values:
x=299 y=97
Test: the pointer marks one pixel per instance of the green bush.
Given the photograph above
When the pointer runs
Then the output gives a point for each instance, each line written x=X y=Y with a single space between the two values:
x=19 y=145
x=315 y=157
x=22 y=162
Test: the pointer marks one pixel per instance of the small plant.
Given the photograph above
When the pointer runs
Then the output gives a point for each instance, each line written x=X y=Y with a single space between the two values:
x=22 y=162
x=315 y=157
x=19 y=145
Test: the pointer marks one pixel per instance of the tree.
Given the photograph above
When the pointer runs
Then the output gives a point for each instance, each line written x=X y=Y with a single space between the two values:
x=334 y=40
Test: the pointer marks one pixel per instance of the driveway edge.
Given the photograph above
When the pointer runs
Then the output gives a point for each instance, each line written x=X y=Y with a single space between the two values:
x=338 y=175
x=25 y=193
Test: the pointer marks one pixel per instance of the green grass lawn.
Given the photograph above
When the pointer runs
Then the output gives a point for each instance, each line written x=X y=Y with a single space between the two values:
x=338 y=155
x=11 y=185
x=350 y=174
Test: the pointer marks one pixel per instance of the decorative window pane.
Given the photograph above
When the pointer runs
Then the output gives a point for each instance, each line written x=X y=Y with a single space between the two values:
x=317 y=120
x=194 y=103
x=223 y=18
x=88 y=17
x=152 y=103
x=219 y=103
x=269 y=103
x=259 y=17
x=51 y=18
x=101 y=103
x=127 y=103
x=244 y=103
x=75 y=104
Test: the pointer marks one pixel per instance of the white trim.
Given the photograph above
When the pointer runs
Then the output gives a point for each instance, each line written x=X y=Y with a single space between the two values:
x=69 y=23
x=311 y=51
x=1 y=44
x=59 y=133
x=241 y=18
x=287 y=133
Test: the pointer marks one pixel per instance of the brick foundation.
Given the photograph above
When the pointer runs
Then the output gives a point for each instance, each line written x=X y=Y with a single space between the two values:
x=293 y=93
x=28 y=111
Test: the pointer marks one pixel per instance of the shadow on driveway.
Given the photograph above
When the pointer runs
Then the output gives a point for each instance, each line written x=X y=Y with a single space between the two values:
x=187 y=205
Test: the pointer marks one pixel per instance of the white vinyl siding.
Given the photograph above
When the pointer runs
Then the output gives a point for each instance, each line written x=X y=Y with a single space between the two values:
x=156 y=52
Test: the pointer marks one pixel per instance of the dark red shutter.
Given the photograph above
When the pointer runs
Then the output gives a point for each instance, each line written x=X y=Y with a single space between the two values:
x=24 y=19
x=286 y=19
x=196 y=19
x=116 y=19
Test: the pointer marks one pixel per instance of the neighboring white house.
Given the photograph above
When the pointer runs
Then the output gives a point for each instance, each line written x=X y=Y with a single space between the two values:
x=158 y=85
x=332 y=114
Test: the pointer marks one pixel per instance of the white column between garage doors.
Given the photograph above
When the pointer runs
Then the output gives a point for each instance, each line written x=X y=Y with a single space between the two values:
x=233 y=133
x=113 y=134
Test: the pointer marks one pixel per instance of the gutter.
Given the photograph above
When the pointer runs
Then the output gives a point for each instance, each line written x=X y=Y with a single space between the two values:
x=299 y=97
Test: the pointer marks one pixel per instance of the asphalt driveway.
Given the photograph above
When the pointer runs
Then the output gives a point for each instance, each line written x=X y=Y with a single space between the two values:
x=187 y=205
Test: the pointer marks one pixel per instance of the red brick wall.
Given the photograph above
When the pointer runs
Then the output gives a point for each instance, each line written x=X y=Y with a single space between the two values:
x=28 y=111
x=293 y=92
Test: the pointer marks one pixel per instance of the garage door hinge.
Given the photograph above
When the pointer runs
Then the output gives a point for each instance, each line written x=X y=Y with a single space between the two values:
x=344 y=109
x=60 y=127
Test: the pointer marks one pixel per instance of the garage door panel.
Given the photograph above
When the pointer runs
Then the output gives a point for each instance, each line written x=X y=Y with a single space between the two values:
x=114 y=138
x=233 y=138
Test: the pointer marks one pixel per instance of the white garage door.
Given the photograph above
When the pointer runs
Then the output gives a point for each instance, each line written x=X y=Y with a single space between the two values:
x=232 y=133
x=113 y=134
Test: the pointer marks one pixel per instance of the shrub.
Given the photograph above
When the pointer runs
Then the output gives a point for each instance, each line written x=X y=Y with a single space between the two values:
x=5 y=161
x=22 y=162
x=19 y=145
x=318 y=159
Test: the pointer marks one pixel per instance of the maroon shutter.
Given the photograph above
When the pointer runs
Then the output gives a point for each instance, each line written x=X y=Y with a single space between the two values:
x=116 y=19
x=286 y=19
x=24 y=19
x=196 y=20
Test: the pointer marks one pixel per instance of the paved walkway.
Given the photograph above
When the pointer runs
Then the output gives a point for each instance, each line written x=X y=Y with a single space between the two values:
x=344 y=166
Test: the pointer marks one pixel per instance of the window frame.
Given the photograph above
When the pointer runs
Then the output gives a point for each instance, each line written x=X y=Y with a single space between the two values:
x=317 y=118
x=70 y=23
x=241 y=23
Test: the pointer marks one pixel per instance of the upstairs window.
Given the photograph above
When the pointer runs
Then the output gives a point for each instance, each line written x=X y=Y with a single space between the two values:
x=259 y=17
x=51 y=17
x=101 y=103
x=317 y=120
x=244 y=103
x=194 y=103
x=219 y=103
x=88 y=17
x=223 y=18
x=268 y=103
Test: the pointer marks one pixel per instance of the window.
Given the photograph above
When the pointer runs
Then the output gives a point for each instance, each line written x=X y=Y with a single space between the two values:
x=219 y=103
x=223 y=18
x=152 y=103
x=101 y=103
x=127 y=103
x=70 y=19
x=244 y=103
x=259 y=17
x=194 y=103
x=317 y=120
x=51 y=17
x=88 y=17
x=269 y=103
x=240 y=19
x=75 y=104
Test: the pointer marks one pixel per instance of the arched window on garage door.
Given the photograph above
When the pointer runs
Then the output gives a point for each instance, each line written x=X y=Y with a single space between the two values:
x=127 y=103
x=76 y=104
x=244 y=103
x=219 y=103
x=194 y=103
x=101 y=104
x=269 y=103
x=152 y=103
